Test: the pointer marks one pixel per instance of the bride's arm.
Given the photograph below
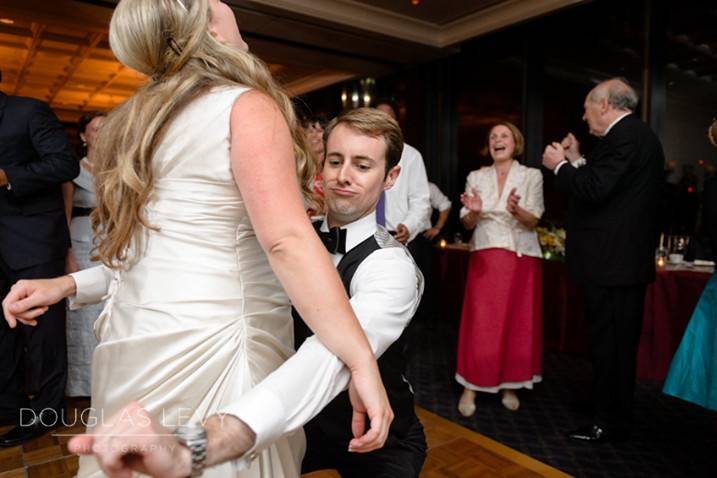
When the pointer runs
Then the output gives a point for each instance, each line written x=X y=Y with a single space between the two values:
x=29 y=299
x=264 y=169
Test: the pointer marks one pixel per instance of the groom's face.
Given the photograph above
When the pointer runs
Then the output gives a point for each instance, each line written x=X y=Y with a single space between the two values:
x=354 y=174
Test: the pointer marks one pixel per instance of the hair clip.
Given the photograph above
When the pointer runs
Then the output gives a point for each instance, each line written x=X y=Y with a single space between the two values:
x=181 y=4
x=174 y=46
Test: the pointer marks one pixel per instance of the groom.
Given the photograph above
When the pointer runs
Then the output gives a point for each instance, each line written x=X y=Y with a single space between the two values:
x=363 y=148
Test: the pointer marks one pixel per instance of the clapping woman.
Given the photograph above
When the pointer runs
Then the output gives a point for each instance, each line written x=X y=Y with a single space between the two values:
x=500 y=338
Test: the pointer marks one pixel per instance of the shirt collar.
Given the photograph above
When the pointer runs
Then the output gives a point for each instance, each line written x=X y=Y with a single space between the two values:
x=357 y=231
x=607 y=130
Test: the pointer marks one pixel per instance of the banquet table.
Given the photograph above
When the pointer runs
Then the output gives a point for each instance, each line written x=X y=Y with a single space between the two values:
x=669 y=302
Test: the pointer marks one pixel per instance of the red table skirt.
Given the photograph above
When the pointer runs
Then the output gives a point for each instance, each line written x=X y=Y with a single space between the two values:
x=669 y=302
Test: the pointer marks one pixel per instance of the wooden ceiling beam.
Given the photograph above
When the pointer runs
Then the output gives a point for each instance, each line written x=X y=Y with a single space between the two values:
x=64 y=13
x=59 y=52
x=23 y=32
x=103 y=85
x=80 y=56
x=37 y=30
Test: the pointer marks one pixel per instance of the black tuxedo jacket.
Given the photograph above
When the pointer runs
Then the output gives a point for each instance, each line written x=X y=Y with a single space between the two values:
x=36 y=157
x=612 y=223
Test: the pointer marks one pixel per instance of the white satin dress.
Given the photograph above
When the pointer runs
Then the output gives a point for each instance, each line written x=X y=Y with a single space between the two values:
x=200 y=318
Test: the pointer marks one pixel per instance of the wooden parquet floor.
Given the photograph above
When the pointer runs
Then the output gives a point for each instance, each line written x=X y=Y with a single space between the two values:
x=453 y=451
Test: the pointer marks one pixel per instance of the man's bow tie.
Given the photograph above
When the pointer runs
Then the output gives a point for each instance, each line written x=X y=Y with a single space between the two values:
x=334 y=240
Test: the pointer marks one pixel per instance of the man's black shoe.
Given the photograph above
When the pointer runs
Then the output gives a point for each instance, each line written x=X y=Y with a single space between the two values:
x=32 y=428
x=597 y=434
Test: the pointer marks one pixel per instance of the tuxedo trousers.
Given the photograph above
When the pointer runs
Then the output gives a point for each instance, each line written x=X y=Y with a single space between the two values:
x=34 y=359
x=400 y=457
x=614 y=316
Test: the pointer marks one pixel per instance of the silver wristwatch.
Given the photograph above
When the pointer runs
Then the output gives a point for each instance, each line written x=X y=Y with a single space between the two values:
x=194 y=438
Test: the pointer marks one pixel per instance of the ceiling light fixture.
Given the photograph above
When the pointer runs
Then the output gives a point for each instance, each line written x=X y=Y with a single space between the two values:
x=7 y=21
x=415 y=3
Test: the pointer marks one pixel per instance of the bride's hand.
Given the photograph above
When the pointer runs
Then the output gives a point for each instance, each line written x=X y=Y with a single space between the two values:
x=131 y=440
x=29 y=299
x=368 y=397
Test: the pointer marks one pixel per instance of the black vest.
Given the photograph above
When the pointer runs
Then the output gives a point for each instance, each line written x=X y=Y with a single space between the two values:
x=334 y=422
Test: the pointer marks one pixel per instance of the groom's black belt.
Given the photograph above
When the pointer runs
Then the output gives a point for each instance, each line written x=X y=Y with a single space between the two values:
x=81 y=211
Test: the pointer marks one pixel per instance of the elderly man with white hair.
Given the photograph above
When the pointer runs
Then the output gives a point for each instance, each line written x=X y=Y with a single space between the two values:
x=612 y=231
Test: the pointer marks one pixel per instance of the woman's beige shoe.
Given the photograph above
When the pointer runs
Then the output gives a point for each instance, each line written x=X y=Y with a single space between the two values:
x=510 y=400
x=467 y=403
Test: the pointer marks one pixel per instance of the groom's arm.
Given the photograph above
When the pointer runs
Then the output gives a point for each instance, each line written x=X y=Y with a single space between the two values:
x=28 y=299
x=386 y=290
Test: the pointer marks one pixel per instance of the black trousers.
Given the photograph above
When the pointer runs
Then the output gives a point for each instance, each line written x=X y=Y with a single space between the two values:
x=34 y=359
x=399 y=458
x=614 y=316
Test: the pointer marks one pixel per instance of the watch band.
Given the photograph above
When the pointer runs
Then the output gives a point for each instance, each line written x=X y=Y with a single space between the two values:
x=195 y=439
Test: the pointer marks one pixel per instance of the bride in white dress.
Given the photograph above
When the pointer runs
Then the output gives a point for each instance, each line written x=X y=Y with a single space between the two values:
x=204 y=234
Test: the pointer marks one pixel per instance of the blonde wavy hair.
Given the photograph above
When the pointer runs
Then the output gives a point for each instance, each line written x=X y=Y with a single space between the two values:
x=169 y=41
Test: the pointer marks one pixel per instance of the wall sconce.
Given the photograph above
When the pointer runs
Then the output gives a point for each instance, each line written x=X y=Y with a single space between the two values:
x=367 y=87
x=362 y=94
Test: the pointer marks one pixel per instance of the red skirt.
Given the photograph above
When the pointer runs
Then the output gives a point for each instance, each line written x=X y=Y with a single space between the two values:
x=500 y=343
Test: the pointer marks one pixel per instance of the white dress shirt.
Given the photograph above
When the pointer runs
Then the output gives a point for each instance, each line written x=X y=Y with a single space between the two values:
x=407 y=202
x=496 y=227
x=439 y=201
x=385 y=292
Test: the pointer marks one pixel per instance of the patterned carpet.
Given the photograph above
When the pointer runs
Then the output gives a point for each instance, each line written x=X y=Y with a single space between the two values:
x=671 y=438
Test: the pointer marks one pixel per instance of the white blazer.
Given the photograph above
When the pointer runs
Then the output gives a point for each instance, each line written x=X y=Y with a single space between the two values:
x=496 y=227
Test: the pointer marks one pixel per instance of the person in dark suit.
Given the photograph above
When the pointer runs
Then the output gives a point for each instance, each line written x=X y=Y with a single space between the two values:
x=35 y=159
x=611 y=240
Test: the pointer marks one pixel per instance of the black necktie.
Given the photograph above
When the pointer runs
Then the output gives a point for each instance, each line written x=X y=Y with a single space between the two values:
x=334 y=240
